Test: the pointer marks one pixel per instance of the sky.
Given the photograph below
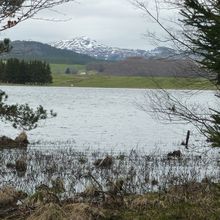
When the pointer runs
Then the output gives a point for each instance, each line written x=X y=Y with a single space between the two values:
x=115 y=23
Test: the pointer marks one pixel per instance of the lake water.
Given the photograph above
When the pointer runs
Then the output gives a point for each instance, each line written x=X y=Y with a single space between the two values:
x=106 y=119
x=92 y=122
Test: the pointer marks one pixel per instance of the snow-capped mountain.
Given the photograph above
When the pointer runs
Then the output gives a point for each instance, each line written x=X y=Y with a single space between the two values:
x=163 y=52
x=85 y=45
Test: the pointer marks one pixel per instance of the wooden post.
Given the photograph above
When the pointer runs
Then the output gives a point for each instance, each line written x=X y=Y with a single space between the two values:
x=187 y=139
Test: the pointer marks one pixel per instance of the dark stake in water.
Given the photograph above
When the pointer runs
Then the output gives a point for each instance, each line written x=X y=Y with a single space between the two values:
x=95 y=124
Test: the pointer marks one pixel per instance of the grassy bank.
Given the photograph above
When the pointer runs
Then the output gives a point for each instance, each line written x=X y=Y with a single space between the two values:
x=130 y=82
x=95 y=185
x=186 y=202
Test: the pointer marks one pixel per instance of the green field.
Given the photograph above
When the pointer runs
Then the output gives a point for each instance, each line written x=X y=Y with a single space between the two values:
x=104 y=81
x=130 y=82
x=61 y=68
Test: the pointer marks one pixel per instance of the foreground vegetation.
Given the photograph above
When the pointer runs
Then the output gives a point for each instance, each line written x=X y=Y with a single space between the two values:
x=130 y=82
x=187 y=202
x=93 y=185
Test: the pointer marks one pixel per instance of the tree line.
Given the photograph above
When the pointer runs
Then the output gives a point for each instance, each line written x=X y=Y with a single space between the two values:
x=138 y=66
x=23 y=72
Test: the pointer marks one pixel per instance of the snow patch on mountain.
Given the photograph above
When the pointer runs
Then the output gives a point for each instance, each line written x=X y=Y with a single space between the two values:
x=85 y=45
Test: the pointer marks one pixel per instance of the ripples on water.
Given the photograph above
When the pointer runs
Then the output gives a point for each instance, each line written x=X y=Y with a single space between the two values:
x=101 y=118
x=92 y=123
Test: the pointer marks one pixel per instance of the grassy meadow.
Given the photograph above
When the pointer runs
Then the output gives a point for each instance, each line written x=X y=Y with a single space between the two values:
x=106 y=81
x=61 y=68
x=130 y=82
x=92 y=79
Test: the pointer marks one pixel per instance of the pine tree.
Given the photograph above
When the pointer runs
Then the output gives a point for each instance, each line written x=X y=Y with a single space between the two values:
x=48 y=73
x=5 y=45
x=201 y=28
x=2 y=71
x=202 y=18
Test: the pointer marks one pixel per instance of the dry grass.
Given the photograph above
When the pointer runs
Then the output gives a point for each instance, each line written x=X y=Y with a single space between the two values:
x=194 y=202
x=135 y=186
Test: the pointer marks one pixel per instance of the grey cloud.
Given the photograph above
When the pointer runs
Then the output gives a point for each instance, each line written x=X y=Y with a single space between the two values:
x=112 y=22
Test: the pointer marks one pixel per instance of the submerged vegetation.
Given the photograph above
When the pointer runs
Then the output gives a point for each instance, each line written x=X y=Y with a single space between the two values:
x=67 y=184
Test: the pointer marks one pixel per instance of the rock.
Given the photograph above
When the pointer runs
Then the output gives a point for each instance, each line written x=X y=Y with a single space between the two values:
x=19 y=142
x=21 y=165
x=104 y=163
x=7 y=142
x=174 y=154
x=22 y=138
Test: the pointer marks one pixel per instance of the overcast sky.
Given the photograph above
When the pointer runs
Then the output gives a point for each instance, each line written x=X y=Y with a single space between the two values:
x=112 y=22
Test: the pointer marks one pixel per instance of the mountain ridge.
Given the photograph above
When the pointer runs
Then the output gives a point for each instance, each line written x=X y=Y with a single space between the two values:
x=33 y=50
x=85 y=45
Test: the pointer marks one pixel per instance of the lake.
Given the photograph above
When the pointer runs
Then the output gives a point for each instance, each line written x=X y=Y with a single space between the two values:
x=107 y=119
x=92 y=123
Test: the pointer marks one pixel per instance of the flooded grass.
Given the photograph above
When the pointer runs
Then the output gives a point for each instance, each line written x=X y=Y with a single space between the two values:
x=139 y=172
x=70 y=184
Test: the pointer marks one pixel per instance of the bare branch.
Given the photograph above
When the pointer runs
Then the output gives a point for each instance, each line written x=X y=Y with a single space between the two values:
x=21 y=10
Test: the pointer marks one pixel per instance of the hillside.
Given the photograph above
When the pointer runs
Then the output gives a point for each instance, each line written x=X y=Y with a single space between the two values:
x=137 y=66
x=31 y=50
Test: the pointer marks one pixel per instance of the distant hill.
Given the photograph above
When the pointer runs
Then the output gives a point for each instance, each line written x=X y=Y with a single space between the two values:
x=31 y=50
x=139 y=66
x=85 y=45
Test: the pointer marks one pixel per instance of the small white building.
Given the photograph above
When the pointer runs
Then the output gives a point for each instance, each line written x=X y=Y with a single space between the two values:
x=82 y=73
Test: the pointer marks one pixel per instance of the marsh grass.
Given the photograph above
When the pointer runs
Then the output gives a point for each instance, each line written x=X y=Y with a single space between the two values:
x=136 y=185
x=141 y=173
